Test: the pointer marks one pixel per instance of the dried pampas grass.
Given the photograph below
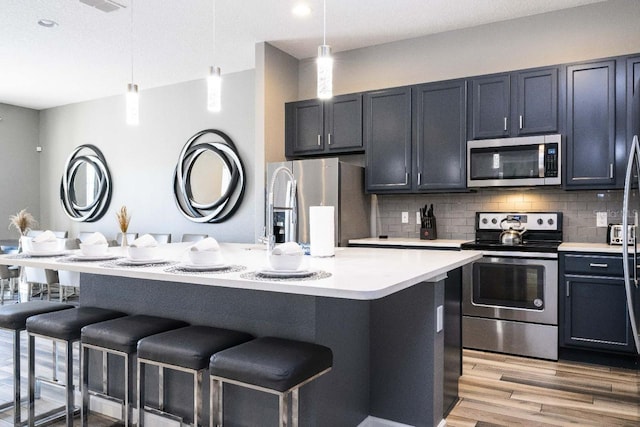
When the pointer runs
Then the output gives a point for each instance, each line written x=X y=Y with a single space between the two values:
x=123 y=219
x=23 y=221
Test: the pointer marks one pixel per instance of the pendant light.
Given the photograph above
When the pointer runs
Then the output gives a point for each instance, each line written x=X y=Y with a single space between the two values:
x=214 y=81
x=325 y=61
x=133 y=101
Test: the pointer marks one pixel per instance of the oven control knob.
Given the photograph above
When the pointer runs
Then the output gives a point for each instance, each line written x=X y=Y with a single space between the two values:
x=494 y=221
x=550 y=221
x=537 y=302
x=539 y=221
x=484 y=220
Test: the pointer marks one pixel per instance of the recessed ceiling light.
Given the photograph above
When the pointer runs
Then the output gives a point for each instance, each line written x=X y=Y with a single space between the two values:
x=47 y=23
x=301 y=9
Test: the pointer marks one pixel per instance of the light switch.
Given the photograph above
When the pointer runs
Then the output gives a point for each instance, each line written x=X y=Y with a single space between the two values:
x=405 y=217
x=601 y=219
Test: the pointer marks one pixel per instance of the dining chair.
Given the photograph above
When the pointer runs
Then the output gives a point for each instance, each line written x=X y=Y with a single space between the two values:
x=161 y=237
x=8 y=275
x=193 y=237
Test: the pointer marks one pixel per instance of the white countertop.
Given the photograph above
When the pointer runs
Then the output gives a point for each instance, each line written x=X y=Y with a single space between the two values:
x=409 y=242
x=590 y=247
x=356 y=273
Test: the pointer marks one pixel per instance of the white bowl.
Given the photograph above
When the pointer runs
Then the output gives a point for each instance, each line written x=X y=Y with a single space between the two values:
x=286 y=261
x=142 y=253
x=205 y=257
x=45 y=246
x=93 y=250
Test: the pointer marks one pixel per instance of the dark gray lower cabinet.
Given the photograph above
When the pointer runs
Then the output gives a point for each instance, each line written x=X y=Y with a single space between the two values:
x=439 y=120
x=387 y=135
x=593 y=305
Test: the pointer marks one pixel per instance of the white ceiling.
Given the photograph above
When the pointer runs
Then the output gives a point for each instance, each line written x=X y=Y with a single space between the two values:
x=88 y=55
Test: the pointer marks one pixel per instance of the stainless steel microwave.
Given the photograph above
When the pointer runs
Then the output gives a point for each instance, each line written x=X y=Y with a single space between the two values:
x=523 y=161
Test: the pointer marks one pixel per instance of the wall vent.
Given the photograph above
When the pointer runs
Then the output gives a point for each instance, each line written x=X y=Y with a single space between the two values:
x=105 y=5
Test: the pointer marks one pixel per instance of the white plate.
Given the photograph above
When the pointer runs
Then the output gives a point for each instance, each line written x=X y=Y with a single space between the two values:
x=82 y=257
x=45 y=253
x=268 y=272
x=203 y=267
x=143 y=261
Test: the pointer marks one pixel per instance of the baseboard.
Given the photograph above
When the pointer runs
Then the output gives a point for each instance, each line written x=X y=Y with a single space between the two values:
x=379 y=422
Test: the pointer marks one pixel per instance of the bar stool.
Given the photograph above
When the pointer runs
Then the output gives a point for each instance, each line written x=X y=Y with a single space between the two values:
x=273 y=365
x=65 y=327
x=187 y=350
x=119 y=337
x=14 y=318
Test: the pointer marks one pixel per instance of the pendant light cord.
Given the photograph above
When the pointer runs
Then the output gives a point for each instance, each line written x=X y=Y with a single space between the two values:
x=213 y=19
x=131 y=40
x=324 y=22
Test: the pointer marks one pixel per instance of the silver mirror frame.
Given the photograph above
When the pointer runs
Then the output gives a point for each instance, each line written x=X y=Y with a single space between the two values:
x=94 y=210
x=224 y=207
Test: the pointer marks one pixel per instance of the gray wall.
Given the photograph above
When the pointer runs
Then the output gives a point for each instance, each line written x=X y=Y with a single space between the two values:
x=142 y=159
x=20 y=166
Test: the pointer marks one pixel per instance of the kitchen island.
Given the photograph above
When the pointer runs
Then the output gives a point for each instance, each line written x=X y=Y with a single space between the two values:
x=379 y=310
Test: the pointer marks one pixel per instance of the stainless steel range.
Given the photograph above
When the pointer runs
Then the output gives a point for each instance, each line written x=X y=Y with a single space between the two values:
x=510 y=295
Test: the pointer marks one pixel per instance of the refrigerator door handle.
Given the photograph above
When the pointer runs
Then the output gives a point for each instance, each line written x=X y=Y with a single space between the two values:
x=633 y=163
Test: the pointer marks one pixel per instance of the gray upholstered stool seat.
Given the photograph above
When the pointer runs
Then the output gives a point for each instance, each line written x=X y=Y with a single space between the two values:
x=274 y=365
x=186 y=349
x=64 y=326
x=14 y=318
x=120 y=337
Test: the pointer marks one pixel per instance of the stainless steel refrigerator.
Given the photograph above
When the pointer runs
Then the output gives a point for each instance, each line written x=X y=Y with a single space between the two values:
x=631 y=206
x=319 y=182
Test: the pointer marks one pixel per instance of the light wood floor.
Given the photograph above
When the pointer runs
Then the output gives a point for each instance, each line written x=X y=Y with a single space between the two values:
x=502 y=390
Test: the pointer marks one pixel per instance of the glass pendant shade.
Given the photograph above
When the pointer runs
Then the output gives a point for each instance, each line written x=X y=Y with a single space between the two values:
x=133 y=101
x=325 y=72
x=214 y=90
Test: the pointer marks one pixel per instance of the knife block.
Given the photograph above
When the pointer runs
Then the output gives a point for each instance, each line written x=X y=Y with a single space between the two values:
x=429 y=232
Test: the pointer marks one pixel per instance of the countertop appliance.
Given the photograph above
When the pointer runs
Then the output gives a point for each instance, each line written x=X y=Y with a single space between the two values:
x=631 y=204
x=521 y=161
x=614 y=234
x=320 y=182
x=510 y=295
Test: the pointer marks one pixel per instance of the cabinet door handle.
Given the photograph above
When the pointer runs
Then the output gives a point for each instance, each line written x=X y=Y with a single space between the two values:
x=596 y=265
x=505 y=124
x=329 y=138
x=610 y=170
x=419 y=178
x=406 y=178
x=568 y=288
x=319 y=140
x=520 y=121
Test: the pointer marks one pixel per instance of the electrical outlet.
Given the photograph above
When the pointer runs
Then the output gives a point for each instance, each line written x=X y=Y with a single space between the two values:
x=418 y=219
x=405 y=217
x=601 y=219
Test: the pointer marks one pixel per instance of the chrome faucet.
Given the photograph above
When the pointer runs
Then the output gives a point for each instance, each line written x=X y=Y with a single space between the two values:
x=269 y=236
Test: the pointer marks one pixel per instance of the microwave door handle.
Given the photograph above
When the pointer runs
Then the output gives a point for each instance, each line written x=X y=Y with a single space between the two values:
x=541 y=161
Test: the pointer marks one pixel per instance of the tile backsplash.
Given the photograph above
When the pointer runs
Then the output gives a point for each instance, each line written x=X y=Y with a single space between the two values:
x=455 y=212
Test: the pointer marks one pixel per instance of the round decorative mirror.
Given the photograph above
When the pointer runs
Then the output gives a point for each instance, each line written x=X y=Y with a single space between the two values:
x=85 y=188
x=209 y=180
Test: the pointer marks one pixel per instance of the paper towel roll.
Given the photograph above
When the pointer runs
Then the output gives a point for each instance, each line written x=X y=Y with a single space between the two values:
x=321 y=231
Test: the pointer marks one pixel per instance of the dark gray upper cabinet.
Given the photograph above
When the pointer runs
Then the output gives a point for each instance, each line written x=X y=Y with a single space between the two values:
x=490 y=106
x=516 y=104
x=439 y=123
x=536 y=101
x=591 y=125
x=387 y=135
x=633 y=97
x=314 y=127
